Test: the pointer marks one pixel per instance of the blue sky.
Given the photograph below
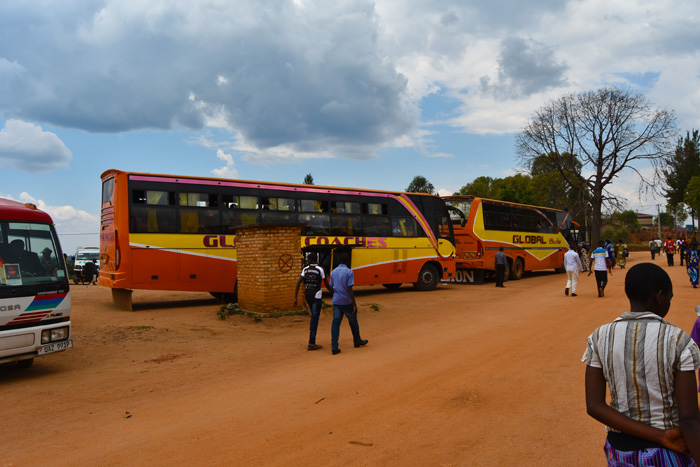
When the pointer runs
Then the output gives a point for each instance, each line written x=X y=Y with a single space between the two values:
x=358 y=93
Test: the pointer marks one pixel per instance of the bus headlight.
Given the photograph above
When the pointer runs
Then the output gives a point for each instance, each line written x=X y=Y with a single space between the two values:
x=53 y=335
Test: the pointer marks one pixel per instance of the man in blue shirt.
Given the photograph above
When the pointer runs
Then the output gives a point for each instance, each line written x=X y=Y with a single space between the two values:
x=342 y=280
x=500 y=264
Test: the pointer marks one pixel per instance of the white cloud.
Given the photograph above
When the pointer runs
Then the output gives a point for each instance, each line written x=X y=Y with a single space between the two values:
x=75 y=227
x=228 y=171
x=25 y=146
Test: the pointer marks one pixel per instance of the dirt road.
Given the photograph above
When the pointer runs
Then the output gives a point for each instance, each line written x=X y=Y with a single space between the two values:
x=461 y=376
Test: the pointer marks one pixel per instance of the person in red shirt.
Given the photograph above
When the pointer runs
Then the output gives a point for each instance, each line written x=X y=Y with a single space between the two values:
x=670 y=249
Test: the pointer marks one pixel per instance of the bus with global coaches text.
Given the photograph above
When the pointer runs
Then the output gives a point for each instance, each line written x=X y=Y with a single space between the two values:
x=533 y=237
x=35 y=298
x=168 y=232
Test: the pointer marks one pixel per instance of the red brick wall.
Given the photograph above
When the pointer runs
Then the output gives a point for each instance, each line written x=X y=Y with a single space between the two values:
x=269 y=262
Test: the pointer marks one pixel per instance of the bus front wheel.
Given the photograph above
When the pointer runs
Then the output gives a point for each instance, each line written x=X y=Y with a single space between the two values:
x=517 y=270
x=428 y=278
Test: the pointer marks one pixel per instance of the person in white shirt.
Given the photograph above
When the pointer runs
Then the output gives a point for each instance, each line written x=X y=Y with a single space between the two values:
x=572 y=265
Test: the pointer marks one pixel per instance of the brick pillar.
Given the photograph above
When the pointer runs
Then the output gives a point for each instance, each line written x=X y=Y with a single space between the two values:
x=269 y=262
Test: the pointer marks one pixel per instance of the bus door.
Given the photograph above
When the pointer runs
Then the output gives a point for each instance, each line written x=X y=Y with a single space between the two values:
x=467 y=246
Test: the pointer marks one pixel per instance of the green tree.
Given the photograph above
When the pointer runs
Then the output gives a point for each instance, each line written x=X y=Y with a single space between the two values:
x=667 y=219
x=678 y=212
x=628 y=219
x=516 y=189
x=692 y=194
x=608 y=131
x=482 y=187
x=681 y=167
x=420 y=184
x=309 y=179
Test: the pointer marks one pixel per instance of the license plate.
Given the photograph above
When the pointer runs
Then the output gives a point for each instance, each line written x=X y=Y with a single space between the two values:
x=55 y=347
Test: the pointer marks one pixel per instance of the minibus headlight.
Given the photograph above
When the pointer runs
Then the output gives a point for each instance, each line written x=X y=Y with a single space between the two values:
x=59 y=334
x=53 y=335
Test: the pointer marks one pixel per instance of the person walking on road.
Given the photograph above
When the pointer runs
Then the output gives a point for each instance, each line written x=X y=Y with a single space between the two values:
x=652 y=248
x=621 y=253
x=599 y=258
x=670 y=248
x=572 y=265
x=691 y=263
x=312 y=276
x=500 y=265
x=342 y=280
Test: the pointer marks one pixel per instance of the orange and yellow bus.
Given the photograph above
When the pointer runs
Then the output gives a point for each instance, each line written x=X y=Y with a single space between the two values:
x=168 y=232
x=533 y=238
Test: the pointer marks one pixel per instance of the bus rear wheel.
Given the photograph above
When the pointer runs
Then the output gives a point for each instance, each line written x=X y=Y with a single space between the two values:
x=517 y=270
x=428 y=278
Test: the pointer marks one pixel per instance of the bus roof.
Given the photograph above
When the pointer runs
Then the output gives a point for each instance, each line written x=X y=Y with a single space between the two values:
x=330 y=189
x=495 y=201
x=16 y=211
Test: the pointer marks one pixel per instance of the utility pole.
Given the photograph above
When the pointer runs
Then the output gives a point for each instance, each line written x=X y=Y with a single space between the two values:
x=658 y=212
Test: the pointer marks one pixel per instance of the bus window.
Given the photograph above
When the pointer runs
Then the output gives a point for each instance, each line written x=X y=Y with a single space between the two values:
x=315 y=224
x=108 y=191
x=376 y=226
x=161 y=198
x=345 y=207
x=378 y=209
x=152 y=219
x=346 y=225
x=202 y=200
x=199 y=221
x=403 y=227
x=445 y=226
x=313 y=205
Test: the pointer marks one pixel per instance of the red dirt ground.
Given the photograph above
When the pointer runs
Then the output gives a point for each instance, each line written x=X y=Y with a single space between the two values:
x=461 y=376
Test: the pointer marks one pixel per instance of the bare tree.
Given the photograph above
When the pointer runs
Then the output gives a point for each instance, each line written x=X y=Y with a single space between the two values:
x=608 y=131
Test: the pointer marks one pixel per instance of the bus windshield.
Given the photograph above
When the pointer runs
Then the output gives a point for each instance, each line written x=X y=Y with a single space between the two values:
x=29 y=255
x=464 y=207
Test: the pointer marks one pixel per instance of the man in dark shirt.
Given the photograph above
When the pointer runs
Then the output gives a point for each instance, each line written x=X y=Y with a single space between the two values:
x=312 y=276
x=500 y=263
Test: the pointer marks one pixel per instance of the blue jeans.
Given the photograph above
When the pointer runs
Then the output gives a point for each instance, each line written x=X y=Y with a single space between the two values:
x=338 y=312
x=315 y=307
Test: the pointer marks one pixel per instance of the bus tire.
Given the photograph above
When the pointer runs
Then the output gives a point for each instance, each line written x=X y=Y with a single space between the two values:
x=516 y=272
x=392 y=286
x=428 y=278
x=23 y=364
x=76 y=280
